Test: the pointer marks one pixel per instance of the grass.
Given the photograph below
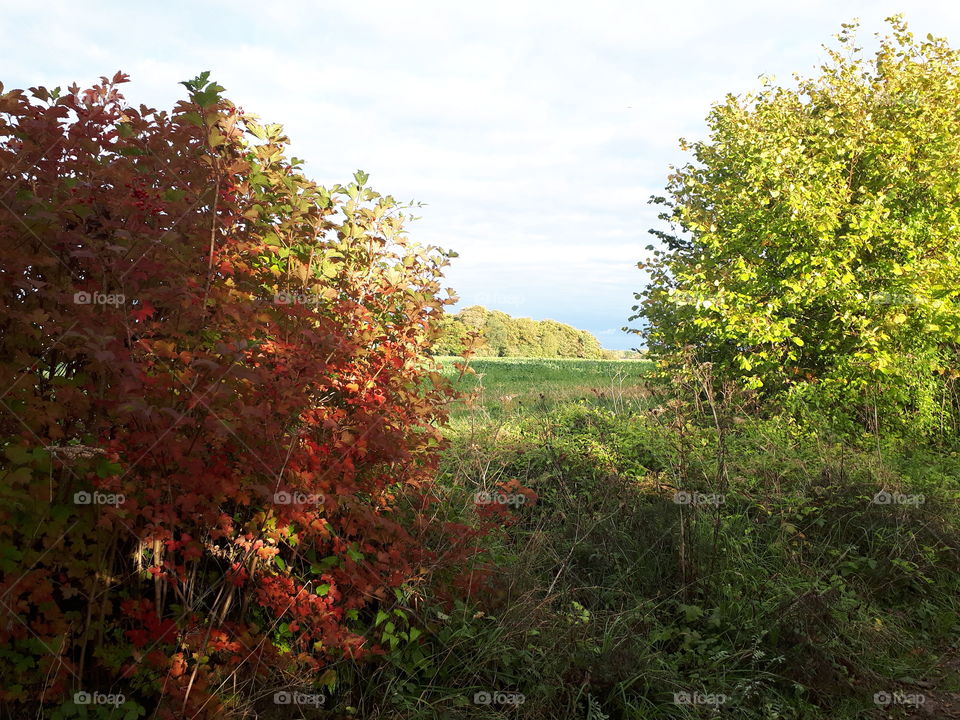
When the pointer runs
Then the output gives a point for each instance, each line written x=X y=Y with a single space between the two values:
x=796 y=598
x=503 y=385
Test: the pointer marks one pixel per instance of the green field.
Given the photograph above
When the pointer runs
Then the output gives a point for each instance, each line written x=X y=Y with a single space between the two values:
x=511 y=383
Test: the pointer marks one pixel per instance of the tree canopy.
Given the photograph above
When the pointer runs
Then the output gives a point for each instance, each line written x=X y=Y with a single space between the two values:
x=814 y=241
x=501 y=335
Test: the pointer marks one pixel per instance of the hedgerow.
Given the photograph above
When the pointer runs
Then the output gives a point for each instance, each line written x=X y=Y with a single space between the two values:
x=218 y=418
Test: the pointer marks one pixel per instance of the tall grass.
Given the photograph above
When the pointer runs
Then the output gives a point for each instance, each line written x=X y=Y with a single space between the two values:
x=797 y=596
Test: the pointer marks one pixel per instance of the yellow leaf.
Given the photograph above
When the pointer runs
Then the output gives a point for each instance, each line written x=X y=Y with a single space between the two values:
x=329 y=678
x=164 y=348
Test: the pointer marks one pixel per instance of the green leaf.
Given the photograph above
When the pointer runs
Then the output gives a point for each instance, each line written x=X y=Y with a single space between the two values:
x=355 y=554
x=18 y=455
x=106 y=469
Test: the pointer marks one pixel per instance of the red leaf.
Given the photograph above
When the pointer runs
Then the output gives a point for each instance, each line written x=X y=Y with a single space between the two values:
x=143 y=312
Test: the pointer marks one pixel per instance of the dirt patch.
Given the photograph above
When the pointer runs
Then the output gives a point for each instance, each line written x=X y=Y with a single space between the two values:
x=940 y=693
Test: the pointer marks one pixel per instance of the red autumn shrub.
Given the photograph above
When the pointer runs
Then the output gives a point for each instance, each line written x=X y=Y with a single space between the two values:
x=218 y=410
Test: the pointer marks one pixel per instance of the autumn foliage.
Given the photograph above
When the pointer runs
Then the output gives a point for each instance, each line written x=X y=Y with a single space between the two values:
x=218 y=410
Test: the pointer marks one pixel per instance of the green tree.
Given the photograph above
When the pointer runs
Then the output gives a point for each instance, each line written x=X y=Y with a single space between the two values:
x=551 y=339
x=474 y=319
x=814 y=241
x=588 y=346
x=528 y=337
x=501 y=334
x=505 y=336
x=452 y=332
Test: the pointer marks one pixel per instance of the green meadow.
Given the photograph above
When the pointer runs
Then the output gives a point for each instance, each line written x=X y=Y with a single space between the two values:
x=501 y=385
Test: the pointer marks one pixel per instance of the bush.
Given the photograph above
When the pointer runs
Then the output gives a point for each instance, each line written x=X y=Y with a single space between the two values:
x=219 y=439
x=797 y=596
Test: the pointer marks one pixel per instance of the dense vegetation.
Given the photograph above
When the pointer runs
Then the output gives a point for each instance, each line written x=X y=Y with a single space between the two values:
x=219 y=422
x=492 y=333
x=689 y=558
x=814 y=250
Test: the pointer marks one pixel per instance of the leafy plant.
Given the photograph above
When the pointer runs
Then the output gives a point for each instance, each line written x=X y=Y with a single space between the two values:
x=220 y=437
x=813 y=251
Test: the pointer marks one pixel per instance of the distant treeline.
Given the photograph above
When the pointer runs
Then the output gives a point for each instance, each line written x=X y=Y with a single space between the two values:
x=505 y=336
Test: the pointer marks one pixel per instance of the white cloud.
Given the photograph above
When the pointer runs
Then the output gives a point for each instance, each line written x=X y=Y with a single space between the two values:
x=510 y=119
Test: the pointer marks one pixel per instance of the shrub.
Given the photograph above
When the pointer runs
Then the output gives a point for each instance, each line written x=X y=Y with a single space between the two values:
x=219 y=431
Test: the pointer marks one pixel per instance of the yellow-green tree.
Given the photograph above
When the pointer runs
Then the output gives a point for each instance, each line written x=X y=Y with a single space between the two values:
x=814 y=242
x=505 y=336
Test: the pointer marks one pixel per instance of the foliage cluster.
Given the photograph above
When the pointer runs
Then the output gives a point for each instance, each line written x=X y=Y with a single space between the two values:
x=500 y=335
x=814 y=243
x=218 y=421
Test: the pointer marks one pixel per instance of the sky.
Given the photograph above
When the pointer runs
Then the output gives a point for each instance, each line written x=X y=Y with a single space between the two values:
x=534 y=132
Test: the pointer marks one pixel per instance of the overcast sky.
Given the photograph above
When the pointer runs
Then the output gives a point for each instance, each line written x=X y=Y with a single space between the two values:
x=534 y=131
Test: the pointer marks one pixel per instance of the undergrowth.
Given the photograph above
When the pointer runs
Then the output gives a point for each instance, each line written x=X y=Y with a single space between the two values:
x=686 y=558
